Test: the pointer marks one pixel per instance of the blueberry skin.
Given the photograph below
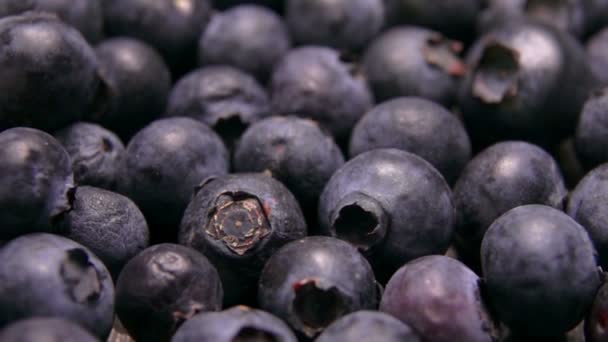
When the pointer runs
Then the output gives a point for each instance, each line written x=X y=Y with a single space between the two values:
x=163 y=286
x=438 y=297
x=223 y=97
x=107 y=223
x=414 y=61
x=172 y=27
x=527 y=81
x=592 y=130
x=239 y=323
x=314 y=82
x=295 y=151
x=368 y=326
x=392 y=205
x=48 y=275
x=238 y=221
x=501 y=177
x=48 y=72
x=137 y=81
x=97 y=154
x=165 y=161
x=539 y=270
x=587 y=205
x=249 y=37
x=597 y=52
x=276 y=5
x=35 y=179
x=309 y=283
x=84 y=15
x=595 y=323
x=45 y=329
x=342 y=24
x=418 y=126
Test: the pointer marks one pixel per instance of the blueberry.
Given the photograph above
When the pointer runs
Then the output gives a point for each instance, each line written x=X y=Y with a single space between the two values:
x=597 y=51
x=236 y=324
x=418 y=126
x=97 y=154
x=368 y=326
x=222 y=97
x=440 y=299
x=50 y=276
x=527 y=81
x=238 y=222
x=48 y=72
x=137 y=82
x=595 y=323
x=45 y=329
x=392 y=205
x=341 y=24
x=277 y=5
x=162 y=287
x=414 y=61
x=313 y=281
x=293 y=150
x=502 y=177
x=249 y=37
x=107 y=223
x=314 y=82
x=35 y=181
x=165 y=161
x=84 y=15
x=592 y=130
x=539 y=270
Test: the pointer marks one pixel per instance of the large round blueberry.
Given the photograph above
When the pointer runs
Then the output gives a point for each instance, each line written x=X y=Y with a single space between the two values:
x=313 y=281
x=367 y=325
x=35 y=181
x=539 y=270
x=592 y=131
x=45 y=329
x=48 y=275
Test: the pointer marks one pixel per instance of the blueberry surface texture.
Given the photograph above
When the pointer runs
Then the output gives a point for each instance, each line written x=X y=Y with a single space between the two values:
x=164 y=286
x=238 y=221
x=440 y=299
x=368 y=325
x=97 y=154
x=45 y=329
x=239 y=323
x=48 y=72
x=418 y=126
x=48 y=275
x=592 y=130
x=595 y=323
x=35 y=181
x=597 y=51
x=539 y=270
x=107 y=223
x=392 y=205
x=309 y=283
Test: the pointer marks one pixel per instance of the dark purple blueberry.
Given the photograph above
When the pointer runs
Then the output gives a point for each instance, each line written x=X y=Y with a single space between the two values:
x=591 y=134
x=137 y=84
x=48 y=275
x=48 y=72
x=588 y=205
x=165 y=161
x=597 y=51
x=314 y=82
x=414 y=61
x=311 y=282
x=84 y=15
x=225 y=98
x=277 y=5
x=418 y=126
x=107 y=223
x=97 y=154
x=341 y=24
x=249 y=37
x=293 y=150
x=596 y=323
x=238 y=221
x=35 y=181
x=392 y=205
x=527 y=81
x=164 y=286
x=45 y=329
x=539 y=270
x=368 y=326
x=440 y=299
x=238 y=324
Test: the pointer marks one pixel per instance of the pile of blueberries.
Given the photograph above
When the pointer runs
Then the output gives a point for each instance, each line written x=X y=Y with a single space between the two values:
x=303 y=170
